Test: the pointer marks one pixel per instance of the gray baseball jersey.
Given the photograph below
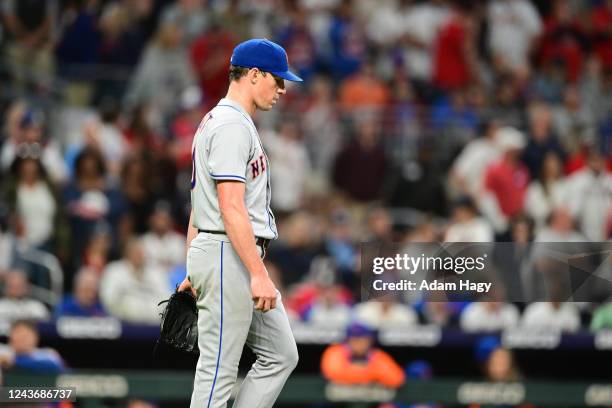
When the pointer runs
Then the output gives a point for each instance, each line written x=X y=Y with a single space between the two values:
x=227 y=147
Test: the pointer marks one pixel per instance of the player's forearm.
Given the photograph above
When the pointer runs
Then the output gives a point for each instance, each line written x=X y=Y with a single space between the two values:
x=240 y=232
x=191 y=232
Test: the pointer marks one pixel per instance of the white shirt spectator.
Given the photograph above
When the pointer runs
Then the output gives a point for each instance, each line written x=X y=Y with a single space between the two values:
x=36 y=207
x=164 y=252
x=130 y=297
x=489 y=316
x=474 y=230
x=544 y=315
x=539 y=204
x=289 y=159
x=50 y=156
x=591 y=202
x=513 y=25
x=422 y=23
x=472 y=162
x=385 y=314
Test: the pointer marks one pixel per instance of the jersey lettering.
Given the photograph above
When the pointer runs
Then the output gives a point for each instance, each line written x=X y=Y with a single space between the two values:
x=258 y=166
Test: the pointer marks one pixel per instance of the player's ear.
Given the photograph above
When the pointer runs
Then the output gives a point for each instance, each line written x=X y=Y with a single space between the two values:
x=254 y=75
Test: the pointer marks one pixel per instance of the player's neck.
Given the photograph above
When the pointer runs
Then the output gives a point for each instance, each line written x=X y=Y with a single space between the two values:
x=241 y=98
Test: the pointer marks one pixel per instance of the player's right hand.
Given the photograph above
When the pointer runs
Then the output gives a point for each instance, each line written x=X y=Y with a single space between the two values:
x=264 y=293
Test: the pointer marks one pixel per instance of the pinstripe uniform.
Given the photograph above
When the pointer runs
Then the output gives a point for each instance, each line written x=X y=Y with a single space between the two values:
x=227 y=147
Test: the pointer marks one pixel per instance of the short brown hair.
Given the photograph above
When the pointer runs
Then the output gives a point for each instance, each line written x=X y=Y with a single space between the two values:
x=235 y=72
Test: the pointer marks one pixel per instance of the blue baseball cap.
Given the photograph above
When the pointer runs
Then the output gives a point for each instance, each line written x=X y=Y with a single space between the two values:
x=265 y=55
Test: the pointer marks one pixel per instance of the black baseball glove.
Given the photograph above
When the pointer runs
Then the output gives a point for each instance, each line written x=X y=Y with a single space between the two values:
x=179 y=322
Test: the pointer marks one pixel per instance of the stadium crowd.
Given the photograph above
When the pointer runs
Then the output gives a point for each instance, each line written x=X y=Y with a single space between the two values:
x=419 y=121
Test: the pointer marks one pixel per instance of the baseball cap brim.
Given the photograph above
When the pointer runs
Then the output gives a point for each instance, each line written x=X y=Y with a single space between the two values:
x=289 y=76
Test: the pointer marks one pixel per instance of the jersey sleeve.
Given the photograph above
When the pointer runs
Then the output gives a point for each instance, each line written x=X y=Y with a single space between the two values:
x=229 y=152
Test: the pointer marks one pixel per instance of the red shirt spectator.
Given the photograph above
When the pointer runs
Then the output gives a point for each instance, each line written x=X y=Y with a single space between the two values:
x=209 y=56
x=508 y=181
x=454 y=53
x=563 y=41
x=601 y=21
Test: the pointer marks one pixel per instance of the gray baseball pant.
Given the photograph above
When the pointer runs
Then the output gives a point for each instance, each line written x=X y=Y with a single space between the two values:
x=226 y=321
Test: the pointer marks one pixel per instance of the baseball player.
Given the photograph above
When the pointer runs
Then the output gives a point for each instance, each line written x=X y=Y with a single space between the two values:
x=230 y=227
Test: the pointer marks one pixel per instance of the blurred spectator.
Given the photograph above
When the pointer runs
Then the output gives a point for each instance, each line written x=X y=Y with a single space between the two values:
x=602 y=317
x=505 y=181
x=574 y=124
x=30 y=27
x=98 y=249
x=560 y=227
x=562 y=316
x=385 y=312
x=16 y=302
x=590 y=190
x=34 y=203
x=466 y=224
x=162 y=75
x=601 y=21
x=513 y=258
x=541 y=139
x=490 y=314
x=209 y=55
x=320 y=299
x=297 y=247
x=140 y=134
x=564 y=40
x=130 y=289
x=455 y=53
x=402 y=126
x=357 y=361
x=90 y=202
x=500 y=366
x=421 y=24
x=184 y=127
x=24 y=354
x=122 y=41
x=322 y=133
x=514 y=26
x=107 y=137
x=348 y=41
x=289 y=158
x=363 y=91
x=234 y=17
x=137 y=188
x=163 y=247
x=31 y=140
x=454 y=118
x=340 y=245
x=78 y=46
x=360 y=168
x=84 y=302
x=508 y=107
x=469 y=167
x=379 y=226
x=548 y=191
x=188 y=14
x=329 y=305
x=299 y=43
